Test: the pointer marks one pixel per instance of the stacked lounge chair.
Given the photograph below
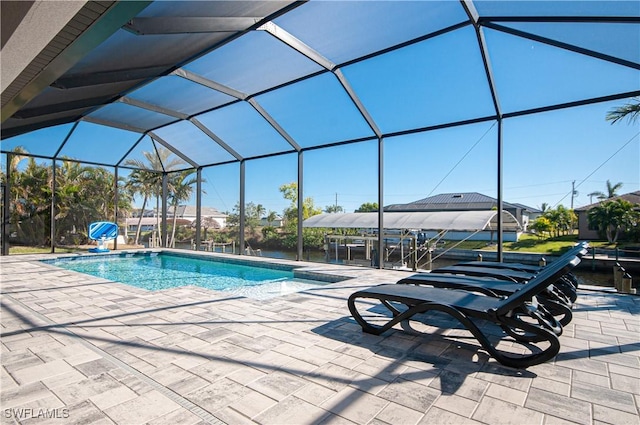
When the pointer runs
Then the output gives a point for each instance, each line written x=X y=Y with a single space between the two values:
x=518 y=272
x=502 y=279
x=512 y=306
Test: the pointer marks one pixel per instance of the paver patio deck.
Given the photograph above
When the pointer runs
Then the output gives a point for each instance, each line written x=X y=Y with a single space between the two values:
x=79 y=349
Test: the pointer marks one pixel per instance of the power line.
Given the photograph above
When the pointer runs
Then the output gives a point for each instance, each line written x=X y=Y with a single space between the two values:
x=598 y=167
x=461 y=159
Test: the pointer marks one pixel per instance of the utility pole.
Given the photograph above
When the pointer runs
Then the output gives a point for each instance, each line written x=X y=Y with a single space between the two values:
x=573 y=192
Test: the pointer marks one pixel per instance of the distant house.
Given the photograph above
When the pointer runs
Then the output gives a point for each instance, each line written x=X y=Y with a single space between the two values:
x=212 y=215
x=186 y=215
x=277 y=222
x=146 y=224
x=468 y=201
x=584 y=231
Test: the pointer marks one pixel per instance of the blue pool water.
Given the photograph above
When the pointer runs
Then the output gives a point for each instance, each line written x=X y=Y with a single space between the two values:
x=158 y=271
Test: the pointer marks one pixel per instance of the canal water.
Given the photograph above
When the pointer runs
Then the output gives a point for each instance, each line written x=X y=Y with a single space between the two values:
x=585 y=275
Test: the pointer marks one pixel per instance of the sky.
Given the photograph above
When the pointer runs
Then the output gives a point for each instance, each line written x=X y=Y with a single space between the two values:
x=430 y=83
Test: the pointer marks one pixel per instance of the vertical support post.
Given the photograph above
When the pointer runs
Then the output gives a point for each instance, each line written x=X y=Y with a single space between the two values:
x=53 y=207
x=300 y=205
x=380 y=201
x=326 y=248
x=626 y=284
x=500 y=200
x=414 y=253
x=6 y=212
x=115 y=204
x=165 y=194
x=242 y=210
x=198 y=208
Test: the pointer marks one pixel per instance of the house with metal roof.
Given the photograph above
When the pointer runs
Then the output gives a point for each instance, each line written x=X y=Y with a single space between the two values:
x=467 y=201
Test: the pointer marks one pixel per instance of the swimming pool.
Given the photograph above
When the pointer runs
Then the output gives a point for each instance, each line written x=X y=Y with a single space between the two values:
x=162 y=270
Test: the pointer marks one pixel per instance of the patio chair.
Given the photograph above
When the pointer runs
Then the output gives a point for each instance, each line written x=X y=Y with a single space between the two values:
x=550 y=297
x=483 y=267
x=518 y=315
x=562 y=291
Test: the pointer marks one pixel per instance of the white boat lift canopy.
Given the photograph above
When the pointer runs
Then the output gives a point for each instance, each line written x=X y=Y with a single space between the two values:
x=437 y=220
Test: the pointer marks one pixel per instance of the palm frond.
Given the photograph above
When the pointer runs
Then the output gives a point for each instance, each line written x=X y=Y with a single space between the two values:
x=631 y=111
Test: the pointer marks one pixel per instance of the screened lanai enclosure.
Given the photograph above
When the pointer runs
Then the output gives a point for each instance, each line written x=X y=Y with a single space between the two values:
x=195 y=123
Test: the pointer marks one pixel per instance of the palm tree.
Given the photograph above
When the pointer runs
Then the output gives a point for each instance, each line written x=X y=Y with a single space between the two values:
x=597 y=194
x=612 y=192
x=612 y=189
x=158 y=161
x=140 y=181
x=630 y=110
x=610 y=217
x=271 y=217
x=181 y=190
x=260 y=211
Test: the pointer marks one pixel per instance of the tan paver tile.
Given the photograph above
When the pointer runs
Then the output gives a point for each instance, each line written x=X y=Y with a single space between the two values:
x=439 y=416
x=82 y=390
x=507 y=394
x=217 y=395
x=333 y=376
x=277 y=385
x=603 y=396
x=142 y=409
x=83 y=358
x=456 y=404
x=36 y=411
x=6 y=381
x=630 y=384
x=583 y=364
x=314 y=393
x=214 y=370
x=112 y=397
x=96 y=367
x=384 y=368
x=41 y=371
x=19 y=359
x=465 y=386
x=292 y=410
x=80 y=413
x=556 y=405
x=64 y=379
x=552 y=386
x=494 y=411
x=554 y=420
x=397 y=414
x=505 y=376
x=179 y=416
x=355 y=405
x=590 y=378
x=410 y=394
x=614 y=416
x=230 y=416
x=253 y=403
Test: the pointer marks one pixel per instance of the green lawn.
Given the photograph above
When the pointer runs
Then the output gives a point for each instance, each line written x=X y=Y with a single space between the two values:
x=39 y=250
x=532 y=243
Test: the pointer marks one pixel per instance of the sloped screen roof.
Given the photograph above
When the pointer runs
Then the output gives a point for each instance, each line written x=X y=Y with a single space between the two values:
x=443 y=220
x=220 y=81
